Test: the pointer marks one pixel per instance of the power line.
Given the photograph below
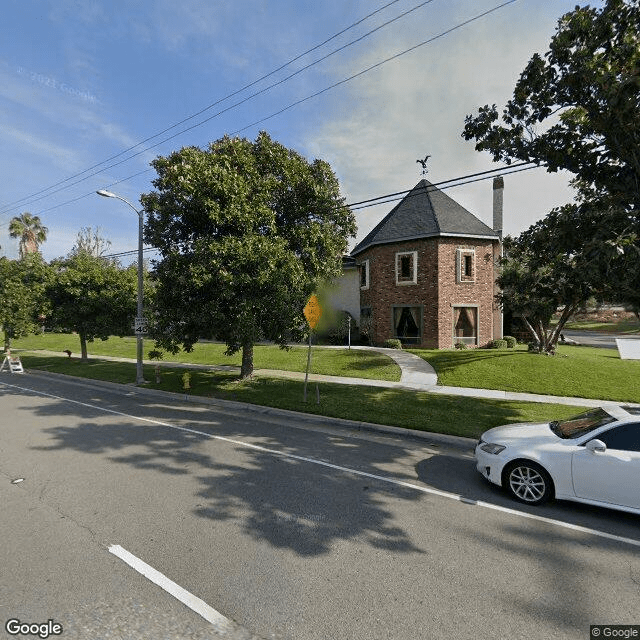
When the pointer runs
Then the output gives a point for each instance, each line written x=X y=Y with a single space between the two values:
x=445 y=184
x=228 y=96
x=302 y=100
x=398 y=195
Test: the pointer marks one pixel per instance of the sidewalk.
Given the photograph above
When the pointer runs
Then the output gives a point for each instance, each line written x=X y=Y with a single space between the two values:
x=416 y=375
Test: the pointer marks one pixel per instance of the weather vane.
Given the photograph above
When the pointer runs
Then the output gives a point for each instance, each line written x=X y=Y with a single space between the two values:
x=424 y=165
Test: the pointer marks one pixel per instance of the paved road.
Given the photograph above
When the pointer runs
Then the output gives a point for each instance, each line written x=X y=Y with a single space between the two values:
x=289 y=528
x=596 y=339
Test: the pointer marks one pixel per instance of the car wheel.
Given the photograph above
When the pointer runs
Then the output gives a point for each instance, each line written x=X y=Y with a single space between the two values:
x=528 y=482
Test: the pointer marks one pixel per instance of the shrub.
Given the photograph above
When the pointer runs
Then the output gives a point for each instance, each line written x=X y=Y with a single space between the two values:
x=392 y=343
x=339 y=332
x=460 y=345
x=498 y=344
x=511 y=341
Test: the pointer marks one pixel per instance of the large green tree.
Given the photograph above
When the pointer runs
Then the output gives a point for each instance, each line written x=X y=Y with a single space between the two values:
x=578 y=106
x=91 y=241
x=247 y=230
x=561 y=262
x=22 y=299
x=29 y=230
x=92 y=296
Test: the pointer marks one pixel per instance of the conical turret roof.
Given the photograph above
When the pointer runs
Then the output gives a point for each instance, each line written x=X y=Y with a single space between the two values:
x=425 y=212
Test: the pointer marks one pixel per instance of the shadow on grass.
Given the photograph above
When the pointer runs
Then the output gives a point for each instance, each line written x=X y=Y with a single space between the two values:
x=455 y=415
x=443 y=361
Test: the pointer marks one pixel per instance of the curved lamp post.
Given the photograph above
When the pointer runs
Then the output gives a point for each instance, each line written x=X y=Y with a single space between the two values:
x=139 y=327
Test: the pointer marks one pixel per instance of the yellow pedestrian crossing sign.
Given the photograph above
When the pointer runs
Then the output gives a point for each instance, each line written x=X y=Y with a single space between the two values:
x=312 y=311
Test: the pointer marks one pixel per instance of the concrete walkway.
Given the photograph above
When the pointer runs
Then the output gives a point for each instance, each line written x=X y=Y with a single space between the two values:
x=416 y=375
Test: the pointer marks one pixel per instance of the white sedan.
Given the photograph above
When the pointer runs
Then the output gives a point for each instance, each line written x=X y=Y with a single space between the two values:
x=592 y=458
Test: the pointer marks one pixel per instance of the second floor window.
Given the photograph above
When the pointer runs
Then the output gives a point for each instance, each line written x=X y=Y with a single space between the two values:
x=364 y=274
x=465 y=265
x=407 y=267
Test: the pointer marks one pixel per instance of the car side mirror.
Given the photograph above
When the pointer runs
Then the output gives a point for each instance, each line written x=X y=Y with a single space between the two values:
x=596 y=446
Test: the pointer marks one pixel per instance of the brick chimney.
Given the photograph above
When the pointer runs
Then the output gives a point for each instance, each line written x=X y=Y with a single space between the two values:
x=498 y=189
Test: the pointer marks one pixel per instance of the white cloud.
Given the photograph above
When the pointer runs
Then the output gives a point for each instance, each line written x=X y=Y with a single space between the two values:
x=416 y=105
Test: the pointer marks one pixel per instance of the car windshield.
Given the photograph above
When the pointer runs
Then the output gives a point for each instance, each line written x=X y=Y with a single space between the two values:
x=581 y=424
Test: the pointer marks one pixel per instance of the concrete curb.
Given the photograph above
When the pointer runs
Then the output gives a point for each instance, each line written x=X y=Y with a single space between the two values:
x=425 y=437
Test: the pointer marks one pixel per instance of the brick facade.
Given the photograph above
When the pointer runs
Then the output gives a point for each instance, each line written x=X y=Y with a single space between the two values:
x=451 y=274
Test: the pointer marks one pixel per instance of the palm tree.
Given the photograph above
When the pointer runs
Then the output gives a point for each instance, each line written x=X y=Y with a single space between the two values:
x=30 y=230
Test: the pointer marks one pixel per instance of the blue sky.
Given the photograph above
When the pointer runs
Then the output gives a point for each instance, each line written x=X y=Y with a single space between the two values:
x=83 y=80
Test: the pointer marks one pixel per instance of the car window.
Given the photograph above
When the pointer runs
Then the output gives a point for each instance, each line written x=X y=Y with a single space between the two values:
x=626 y=437
x=581 y=425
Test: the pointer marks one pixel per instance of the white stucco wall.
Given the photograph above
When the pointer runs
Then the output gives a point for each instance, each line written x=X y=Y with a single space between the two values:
x=344 y=295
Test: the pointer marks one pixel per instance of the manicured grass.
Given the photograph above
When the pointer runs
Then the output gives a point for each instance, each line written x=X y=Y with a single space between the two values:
x=412 y=410
x=624 y=326
x=332 y=362
x=581 y=372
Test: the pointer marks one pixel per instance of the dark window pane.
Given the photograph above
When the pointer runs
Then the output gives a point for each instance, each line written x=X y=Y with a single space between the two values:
x=468 y=266
x=363 y=275
x=623 y=438
x=405 y=267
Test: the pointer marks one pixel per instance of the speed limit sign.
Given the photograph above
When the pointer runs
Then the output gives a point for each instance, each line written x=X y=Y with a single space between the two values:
x=140 y=326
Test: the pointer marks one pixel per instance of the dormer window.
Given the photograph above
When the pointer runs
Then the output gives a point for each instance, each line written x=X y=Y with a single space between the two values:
x=466 y=265
x=407 y=267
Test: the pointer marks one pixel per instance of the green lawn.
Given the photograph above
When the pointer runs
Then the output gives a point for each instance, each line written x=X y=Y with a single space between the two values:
x=624 y=326
x=333 y=362
x=413 y=410
x=582 y=372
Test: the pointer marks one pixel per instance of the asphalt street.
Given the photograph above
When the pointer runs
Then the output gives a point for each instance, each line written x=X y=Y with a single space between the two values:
x=596 y=339
x=285 y=528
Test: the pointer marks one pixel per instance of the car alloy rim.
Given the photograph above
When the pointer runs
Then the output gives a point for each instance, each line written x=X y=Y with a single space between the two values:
x=527 y=483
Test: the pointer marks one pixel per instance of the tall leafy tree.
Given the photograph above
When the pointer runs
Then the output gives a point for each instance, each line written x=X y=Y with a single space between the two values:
x=93 y=297
x=30 y=231
x=22 y=299
x=572 y=255
x=577 y=107
x=91 y=241
x=247 y=230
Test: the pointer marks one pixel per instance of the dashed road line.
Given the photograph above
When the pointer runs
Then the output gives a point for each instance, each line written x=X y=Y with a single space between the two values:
x=220 y=622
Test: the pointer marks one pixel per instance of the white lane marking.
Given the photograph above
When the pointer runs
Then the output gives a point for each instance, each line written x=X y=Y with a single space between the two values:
x=402 y=483
x=194 y=603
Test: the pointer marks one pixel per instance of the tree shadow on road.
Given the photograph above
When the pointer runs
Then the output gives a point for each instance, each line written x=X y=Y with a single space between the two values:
x=288 y=487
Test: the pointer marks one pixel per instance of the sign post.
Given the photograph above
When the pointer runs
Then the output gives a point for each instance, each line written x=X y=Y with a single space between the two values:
x=312 y=313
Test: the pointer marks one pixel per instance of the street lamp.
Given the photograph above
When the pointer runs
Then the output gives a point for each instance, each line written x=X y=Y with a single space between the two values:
x=139 y=326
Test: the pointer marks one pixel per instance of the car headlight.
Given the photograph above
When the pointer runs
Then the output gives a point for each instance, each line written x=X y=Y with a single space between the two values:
x=489 y=447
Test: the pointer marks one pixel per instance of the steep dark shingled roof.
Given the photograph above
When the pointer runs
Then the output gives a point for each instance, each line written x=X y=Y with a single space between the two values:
x=425 y=212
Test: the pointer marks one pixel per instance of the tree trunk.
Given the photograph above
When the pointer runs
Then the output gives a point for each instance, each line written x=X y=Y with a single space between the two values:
x=7 y=341
x=83 y=347
x=246 y=370
x=536 y=338
x=547 y=340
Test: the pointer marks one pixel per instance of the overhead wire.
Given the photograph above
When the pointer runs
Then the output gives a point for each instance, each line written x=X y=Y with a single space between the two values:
x=302 y=100
x=228 y=96
x=399 y=195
